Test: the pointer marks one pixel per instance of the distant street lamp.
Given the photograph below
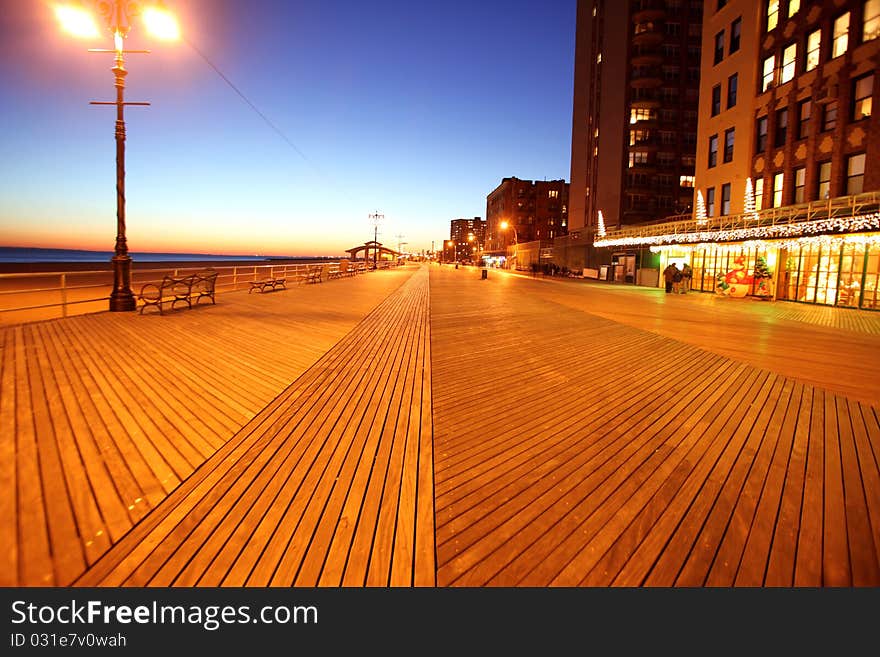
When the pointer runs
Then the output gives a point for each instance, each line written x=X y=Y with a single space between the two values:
x=504 y=226
x=118 y=14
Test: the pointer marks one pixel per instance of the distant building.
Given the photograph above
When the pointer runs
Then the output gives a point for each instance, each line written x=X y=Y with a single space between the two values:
x=534 y=211
x=788 y=156
x=468 y=237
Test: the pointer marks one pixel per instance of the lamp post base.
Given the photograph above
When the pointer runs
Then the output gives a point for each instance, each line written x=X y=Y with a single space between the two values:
x=122 y=299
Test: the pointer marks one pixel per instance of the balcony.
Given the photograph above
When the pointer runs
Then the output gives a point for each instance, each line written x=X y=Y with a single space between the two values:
x=647 y=34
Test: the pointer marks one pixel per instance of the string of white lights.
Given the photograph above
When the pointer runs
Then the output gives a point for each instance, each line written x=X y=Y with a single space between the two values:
x=823 y=227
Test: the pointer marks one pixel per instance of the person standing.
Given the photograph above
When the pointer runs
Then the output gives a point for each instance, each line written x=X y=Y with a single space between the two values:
x=686 y=275
x=669 y=276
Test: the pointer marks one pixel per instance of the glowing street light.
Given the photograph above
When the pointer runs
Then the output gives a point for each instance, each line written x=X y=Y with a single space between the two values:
x=504 y=226
x=75 y=19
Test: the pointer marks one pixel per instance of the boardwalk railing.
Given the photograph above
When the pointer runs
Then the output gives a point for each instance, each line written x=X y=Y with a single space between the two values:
x=48 y=295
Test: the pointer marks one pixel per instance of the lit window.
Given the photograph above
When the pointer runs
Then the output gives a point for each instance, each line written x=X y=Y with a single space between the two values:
x=637 y=158
x=777 y=190
x=800 y=179
x=793 y=6
x=863 y=90
x=767 y=69
x=814 y=43
x=685 y=181
x=871 y=20
x=840 y=39
x=824 y=186
x=553 y=193
x=772 y=14
x=855 y=173
x=788 y=59
x=759 y=193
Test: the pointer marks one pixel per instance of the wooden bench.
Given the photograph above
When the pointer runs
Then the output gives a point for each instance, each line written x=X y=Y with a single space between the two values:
x=315 y=274
x=178 y=289
x=267 y=284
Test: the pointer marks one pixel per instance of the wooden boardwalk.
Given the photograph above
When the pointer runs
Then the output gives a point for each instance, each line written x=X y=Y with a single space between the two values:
x=401 y=430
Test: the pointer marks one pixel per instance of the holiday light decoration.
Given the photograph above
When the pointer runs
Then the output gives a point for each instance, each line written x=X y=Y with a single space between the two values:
x=854 y=224
x=601 y=231
x=749 y=201
x=701 y=208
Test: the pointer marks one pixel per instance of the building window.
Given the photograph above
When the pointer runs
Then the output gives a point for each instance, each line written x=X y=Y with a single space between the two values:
x=823 y=190
x=805 y=109
x=777 y=190
x=713 y=151
x=732 y=83
x=686 y=181
x=553 y=193
x=767 y=72
x=761 y=141
x=719 y=46
x=788 y=58
x=710 y=202
x=736 y=32
x=636 y=115
x=855 y=173
x=800 y=179
x=871 y=20
x=637 y=158
x=829 y=116
x=793 y=6
x=716 y=100
x=759 y=193
x=772 y=14
x=728 y=144
x=814 y=44
x=781 y=127
x=863 y=90
x=721 y=4
x=840 y=37
x=725 y=199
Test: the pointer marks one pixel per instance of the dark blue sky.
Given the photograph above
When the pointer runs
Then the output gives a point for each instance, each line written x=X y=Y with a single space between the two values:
x=339 y=109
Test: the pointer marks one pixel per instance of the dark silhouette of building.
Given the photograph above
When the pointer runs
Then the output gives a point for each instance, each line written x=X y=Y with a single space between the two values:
x=634 y=120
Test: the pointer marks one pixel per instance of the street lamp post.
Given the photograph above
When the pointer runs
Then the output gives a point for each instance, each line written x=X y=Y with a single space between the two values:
x=504 y=226
x=118 y=15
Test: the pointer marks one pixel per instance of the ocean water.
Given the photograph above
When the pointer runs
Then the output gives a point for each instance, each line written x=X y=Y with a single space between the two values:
x=23 y=254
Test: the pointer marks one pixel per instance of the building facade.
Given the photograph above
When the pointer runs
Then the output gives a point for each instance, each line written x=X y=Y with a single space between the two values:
x=468 y=237
x=520 y=211
x=787 y=176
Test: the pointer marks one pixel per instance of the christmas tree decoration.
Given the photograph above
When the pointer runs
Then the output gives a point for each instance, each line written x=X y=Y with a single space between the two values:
x=701 y=208
x=601 y=231
x=749 y=201
x=763 y=278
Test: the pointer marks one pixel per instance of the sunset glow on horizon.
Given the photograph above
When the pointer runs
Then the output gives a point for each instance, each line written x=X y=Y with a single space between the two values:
x=279 y=127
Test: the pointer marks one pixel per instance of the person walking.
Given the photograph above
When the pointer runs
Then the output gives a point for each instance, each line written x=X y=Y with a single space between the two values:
x=686 y=275
x=669 y=276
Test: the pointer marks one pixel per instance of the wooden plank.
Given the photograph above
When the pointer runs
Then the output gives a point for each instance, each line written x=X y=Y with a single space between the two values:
x=808 y=565
x=9 y=520
x=836 y=566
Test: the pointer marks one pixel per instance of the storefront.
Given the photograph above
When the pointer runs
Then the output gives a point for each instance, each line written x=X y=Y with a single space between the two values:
x=835 y=270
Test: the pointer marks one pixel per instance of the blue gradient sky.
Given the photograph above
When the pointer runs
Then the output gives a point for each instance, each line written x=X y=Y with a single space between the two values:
x=413 y=109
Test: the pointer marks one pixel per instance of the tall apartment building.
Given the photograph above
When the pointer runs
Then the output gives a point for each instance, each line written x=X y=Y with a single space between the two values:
x=468 y=237
x=634 y=122
x=787 y=157
x=534 y=210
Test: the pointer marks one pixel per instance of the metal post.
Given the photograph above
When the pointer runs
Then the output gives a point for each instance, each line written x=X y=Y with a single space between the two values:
x=122 y=298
